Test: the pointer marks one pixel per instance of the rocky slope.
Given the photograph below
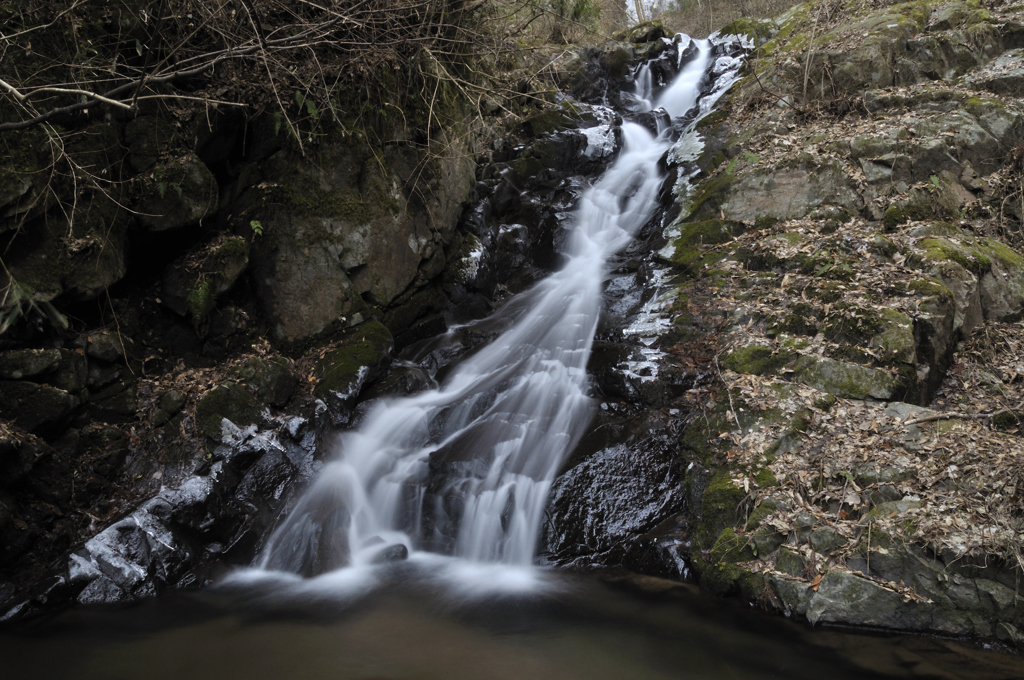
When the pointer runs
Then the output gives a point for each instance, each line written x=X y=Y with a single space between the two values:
x=849 y=254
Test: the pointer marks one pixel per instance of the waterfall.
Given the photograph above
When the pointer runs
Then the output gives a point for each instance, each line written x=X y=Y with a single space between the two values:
x=465 y=469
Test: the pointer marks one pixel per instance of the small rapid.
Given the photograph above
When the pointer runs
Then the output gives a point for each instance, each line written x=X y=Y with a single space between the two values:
x=465 y=470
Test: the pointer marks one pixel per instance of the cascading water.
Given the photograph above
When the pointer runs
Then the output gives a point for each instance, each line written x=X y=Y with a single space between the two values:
x=504 y=419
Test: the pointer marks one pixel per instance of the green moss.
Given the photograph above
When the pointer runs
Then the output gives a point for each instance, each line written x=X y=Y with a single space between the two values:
x=200 y=301
x=731 y=547
x=229 y=401
x=758 y=360
x=940 y=249
x=931 y=287
x=763 y=510
x=694 y=235
x=339 y=371
x=765 y=479
x=897 y=214
x=719 y=508
x=707 y=204
x=1005 y=420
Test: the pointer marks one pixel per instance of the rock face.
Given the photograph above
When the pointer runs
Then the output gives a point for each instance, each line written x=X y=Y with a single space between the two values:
x=350 y=229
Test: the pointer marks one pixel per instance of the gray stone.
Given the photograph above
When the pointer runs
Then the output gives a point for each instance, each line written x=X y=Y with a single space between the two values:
x=846 y=380
x=106 y=346
x=25 y=364
x=791 y=191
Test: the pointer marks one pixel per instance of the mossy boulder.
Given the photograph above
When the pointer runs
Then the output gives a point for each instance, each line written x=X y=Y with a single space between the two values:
x=39 y=409
x=850 y=381
x=229 y=401
x=25 y=364
x=758 y=359
x=177 y=192
x=688 y=246
x=342 y=373
x=193 y=283
x=272 y=378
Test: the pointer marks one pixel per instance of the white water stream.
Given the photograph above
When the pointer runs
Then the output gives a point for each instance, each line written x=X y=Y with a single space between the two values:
x=504 y=419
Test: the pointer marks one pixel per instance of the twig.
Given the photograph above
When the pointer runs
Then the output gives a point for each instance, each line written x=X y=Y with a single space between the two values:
x=948 y=415
x=732 y=407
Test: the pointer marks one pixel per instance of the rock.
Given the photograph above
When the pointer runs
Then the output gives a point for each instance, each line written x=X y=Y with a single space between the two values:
x=39 y=409
x=332 y=237
x=106 y=346
x=847 y=380
x=392 y=553
x=115 y=403
x=342 y=373
x=25 y=364
x=593 y=515
x=273 y=378
x=178 y=192
x=229 y=401
x=168 y=405
x=842 y=596
x=790 y=191
x=193 y=283
x=789 y=562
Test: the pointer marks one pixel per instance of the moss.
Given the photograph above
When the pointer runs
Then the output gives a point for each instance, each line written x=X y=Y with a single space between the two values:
x=1005 y=420
x=230 y=401
x=931 y=287
x=759 y=31
x=719 y=507
x=200 y=301
x=707 y=204
x=694 y=235
x=758 y=360
x=940 y=249
x=731 y=547
x=765 y=479
x=763 y=510
x=712 y=119
x=897 y=214
x=825 y=403
x=339 y=372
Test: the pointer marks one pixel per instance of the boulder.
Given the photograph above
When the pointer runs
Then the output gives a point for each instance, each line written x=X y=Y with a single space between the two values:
x=177 y=192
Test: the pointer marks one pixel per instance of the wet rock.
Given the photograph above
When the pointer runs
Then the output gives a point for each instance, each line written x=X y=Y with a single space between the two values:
x=594 y=512
x=392 y=553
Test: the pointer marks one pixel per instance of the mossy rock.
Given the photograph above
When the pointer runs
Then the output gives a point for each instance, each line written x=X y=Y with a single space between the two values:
x=758 y=360
x=229 y=401
x=177 y=193
x=342 y=373
x=759 y=31
x=719 y=508
x=272 y=378
x=731 y=547
x=790 y=562
x=846 y=380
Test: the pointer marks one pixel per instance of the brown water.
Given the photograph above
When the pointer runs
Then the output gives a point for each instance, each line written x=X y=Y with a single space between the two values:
x=404 y=629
